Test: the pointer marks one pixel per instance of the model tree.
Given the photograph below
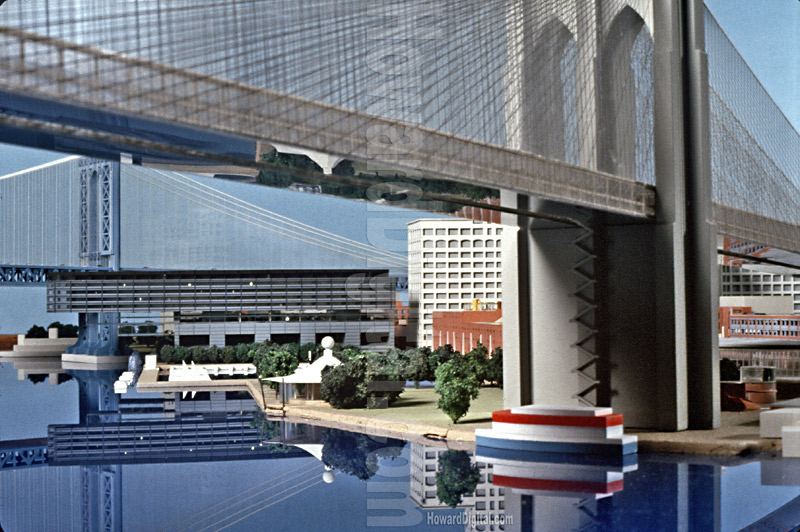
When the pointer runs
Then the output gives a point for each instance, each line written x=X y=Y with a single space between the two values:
x=457 y=476
x=478 y=358
x=495 y=368
x=456 y=385
x=357 y=454
x=344 y=386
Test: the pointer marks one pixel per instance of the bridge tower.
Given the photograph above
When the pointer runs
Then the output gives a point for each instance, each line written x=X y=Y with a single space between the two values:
x=101 y=497
x=99 y=213
x=605 y=309
x=100 y=247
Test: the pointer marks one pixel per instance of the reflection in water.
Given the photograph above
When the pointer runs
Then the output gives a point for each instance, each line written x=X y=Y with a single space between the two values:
x=457 y=476
x=231 y=470
x=357 y=454
x=785 y=361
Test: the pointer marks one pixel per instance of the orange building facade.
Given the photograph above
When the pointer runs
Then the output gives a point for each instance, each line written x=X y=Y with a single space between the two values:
x=465 y=329
x=739 y=322
x=400 y=325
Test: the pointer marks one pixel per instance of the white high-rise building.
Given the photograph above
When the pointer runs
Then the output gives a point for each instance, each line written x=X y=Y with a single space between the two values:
x=451 y=262
x=486 y=499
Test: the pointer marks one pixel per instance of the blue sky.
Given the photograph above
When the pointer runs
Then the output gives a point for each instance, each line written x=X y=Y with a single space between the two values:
x=767 y=35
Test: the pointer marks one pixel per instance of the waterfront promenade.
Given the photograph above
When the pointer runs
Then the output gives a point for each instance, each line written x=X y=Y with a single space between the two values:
x=415 y=417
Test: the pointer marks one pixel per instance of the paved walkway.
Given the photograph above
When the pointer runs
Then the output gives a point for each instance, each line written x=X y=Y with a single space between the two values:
x=738 y=435
x=415 y=417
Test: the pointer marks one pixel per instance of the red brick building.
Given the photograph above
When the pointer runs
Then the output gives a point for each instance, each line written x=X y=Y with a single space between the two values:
x=481 y=214
x=725 y=314
x=463 y=329
x=400 y=325
x=738 y=322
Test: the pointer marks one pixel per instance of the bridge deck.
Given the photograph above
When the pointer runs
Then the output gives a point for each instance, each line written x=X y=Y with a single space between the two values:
x=57 y=70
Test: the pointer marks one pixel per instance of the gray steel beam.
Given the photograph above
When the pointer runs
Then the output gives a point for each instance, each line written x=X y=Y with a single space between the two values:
x=12 y=275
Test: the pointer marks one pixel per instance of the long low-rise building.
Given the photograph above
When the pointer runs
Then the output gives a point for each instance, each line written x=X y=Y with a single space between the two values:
x=465 y=329
x=211 y=307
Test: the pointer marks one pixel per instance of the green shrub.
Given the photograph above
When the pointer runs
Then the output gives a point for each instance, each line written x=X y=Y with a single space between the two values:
x=417 y=365
x=228 y=354
x=356 y=454
x=281 y=361
x=64 y=330
x=344 y=386
x=479 y=362
x=314 y=348
x=495 y=367
x=37 y=331
x=243 y=353
x=167 y=353
x=438 y=357
x=181 y=354
x=387 y=366
x=197 y=354
x=384 y=367
x=211 y=355
x=347 y=352
x=456 y=385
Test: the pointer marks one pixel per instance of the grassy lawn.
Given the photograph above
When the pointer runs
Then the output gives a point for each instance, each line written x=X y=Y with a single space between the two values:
x=419 y=405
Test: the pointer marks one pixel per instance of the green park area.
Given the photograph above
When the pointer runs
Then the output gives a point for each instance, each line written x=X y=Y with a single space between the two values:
x=468 y=387
x=415 y=405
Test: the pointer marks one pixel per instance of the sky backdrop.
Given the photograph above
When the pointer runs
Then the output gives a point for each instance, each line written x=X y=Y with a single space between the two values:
x=767 y=35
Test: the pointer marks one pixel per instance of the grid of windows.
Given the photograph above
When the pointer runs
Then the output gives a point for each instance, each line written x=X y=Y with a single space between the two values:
x=461 y=260
x=486 y=498
x=741 y=282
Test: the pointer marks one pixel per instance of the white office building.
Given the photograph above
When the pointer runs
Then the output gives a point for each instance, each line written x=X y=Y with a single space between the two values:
x=451 y=262
x=486 y=504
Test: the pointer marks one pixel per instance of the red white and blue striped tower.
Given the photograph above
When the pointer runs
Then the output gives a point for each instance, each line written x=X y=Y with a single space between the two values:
x=558 y=451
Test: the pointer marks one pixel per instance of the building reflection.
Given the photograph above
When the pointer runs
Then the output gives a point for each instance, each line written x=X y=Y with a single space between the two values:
x=486 y=502
x=122 y=462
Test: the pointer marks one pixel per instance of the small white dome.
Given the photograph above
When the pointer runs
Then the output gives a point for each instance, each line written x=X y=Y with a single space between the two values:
x=328 y=477
x=328 y=342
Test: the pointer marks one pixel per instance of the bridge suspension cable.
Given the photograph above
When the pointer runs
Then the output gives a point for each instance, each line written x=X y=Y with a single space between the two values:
x=553 y=100
x=307 y=237
x=222 y=198
x=328 y=75
x=229 y=503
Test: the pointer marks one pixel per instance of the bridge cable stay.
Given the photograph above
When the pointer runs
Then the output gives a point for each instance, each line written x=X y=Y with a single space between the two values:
x=283 y=232
x=262 y=508
x=220 y=198
x=264 y=225
x=474 y=95
x=203 y=199
x=256 y=220
x=155 y=59
x=754 y=164
x=270 y=499
x=237 y=498
x=132 y=142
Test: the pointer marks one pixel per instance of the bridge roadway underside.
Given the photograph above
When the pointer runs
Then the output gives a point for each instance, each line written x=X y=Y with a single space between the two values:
x=133 y=127
x=146 y=90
